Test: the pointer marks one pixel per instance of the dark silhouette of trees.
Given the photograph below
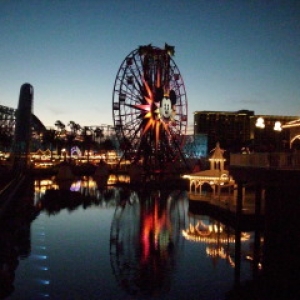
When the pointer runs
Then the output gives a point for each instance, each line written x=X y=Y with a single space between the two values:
x=87 y=135
x=98 y=134
x=48 y=141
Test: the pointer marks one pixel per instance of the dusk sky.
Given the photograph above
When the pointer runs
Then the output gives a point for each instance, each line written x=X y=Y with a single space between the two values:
x=231 y=54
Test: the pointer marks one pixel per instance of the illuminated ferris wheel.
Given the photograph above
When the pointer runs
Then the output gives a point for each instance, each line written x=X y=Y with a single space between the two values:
x=150 y=106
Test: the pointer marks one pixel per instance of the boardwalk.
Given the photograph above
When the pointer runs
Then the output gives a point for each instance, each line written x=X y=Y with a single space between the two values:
x=227 y=201
x=225 y=209
x=275 y=160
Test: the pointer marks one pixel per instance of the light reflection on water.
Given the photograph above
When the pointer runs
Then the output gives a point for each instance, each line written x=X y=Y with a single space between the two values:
x=120 y=243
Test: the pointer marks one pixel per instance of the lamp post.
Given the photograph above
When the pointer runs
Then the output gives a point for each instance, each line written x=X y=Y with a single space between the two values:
x=260 y=124
x=277 y=128
x=87 y=136
x=64 y=154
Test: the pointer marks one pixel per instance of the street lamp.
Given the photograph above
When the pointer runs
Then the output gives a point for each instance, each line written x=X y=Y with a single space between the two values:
x=64 y=154
x=277 y=128
x=260 y=123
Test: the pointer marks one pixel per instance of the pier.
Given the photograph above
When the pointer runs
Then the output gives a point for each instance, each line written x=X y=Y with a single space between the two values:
x=278 y=180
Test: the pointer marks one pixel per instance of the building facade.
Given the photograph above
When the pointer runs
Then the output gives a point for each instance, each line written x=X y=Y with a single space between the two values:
x=235 y=130
x=293 y=128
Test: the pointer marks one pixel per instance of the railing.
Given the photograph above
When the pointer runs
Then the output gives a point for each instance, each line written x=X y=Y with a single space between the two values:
x=280 y=160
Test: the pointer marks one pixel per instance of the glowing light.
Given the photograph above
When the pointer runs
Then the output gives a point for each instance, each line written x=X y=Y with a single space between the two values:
x=259 y=266
x=41 y=247
x=37 y=256
x=277 y=126
x=42 y=268
x=150 y=112
x=44 y=295
x=44 y=281
x=260 y=123
x=75 y=187
x=158 y=224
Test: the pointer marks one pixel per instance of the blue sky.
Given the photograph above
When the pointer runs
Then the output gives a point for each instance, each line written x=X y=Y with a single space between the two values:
x=231 y=54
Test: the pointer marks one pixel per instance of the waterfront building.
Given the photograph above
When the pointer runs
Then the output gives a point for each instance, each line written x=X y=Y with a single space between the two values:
x=228 y=128
x=270 y=133
x=237 y=129
x=293 y=129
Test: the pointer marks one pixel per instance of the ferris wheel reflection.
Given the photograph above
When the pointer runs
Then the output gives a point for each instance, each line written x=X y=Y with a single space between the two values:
x=145 y=237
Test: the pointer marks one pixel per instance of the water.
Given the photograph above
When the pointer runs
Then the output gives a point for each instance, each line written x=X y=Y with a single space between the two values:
x=116 y=243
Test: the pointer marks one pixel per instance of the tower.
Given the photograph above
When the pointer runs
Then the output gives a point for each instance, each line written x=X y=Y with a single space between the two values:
x=21 y=146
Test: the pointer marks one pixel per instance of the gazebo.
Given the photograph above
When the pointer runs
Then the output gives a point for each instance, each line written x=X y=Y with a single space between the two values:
x=216 y=177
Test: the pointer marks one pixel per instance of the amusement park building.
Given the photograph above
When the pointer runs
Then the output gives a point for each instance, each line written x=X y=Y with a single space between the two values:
x=237 y=129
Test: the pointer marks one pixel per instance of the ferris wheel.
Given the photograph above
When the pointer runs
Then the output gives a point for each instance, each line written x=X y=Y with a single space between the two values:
x=150 y=106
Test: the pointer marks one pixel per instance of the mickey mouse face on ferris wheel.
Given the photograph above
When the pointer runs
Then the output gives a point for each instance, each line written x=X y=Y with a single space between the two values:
x=167 y=104
x=166 y=108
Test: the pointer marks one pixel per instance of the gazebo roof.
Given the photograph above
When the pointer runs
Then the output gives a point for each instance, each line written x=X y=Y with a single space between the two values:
x=217 y=154
x=216 y=173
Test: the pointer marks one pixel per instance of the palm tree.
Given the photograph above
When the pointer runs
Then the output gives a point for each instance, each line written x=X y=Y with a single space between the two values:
x=75 y=127
x=60 y=133
x=60 y=125
x=87 y=139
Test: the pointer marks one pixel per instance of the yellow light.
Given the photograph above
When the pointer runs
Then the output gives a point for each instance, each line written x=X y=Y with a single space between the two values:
x=277 y=126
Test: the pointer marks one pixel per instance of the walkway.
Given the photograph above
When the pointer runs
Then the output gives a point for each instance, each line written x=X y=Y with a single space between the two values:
x=274 y=160
x=227 y=201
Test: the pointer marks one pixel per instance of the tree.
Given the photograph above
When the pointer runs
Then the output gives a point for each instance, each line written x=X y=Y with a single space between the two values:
x=60 y=134
x=75 y=128
x=49 y=139
x=71 y=136
x=87 y=140
x=60 y=125
x=98 y=133
x=108 y=145
x=6 y=141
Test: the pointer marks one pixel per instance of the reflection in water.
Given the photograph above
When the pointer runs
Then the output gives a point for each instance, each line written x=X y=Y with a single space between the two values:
x=148 y=231
x=220 y=239
x=145 y=230
x=15 y=241
x=81 y=192
x=85 y=185
x=43 y=194
x=145 y=236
